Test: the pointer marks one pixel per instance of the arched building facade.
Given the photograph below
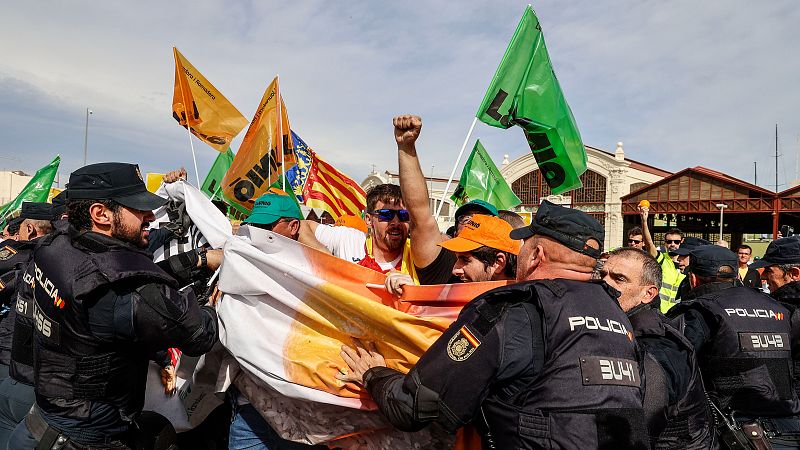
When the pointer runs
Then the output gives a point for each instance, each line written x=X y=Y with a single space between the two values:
x=609 y=177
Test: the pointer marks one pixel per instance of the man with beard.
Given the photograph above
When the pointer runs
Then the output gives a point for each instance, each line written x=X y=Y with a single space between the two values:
x=101 y=309
x=385 y=248
x=526 y=359
x=675 y=401
x=671 y=277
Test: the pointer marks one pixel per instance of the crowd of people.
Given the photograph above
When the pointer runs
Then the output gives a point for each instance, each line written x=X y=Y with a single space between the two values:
x=633 y=348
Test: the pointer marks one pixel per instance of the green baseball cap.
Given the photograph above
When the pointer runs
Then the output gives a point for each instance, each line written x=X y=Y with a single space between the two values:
x=271 y=207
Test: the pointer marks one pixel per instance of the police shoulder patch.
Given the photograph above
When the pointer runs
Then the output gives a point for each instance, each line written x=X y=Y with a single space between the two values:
x=462 y=345
x=7 y=252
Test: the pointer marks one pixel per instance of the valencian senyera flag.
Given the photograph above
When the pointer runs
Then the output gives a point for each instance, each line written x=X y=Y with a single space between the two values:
x=481 y=180
x=525 y=92
x=37 y=189
x=266 y=152
x=319 y=185
x=198 y=104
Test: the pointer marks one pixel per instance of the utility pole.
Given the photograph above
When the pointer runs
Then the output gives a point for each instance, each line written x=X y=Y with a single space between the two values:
x=776 y=158
x=86 y=137
x=755 y=173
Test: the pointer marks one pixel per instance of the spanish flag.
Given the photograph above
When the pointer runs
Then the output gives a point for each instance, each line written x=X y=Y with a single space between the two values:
x=196 y=103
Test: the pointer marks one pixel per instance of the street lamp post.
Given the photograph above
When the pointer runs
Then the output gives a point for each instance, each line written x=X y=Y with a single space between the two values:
x=721 y=207
x=86 y=137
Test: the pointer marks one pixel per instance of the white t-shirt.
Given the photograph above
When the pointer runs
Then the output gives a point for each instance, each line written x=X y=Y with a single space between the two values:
x=346 y=243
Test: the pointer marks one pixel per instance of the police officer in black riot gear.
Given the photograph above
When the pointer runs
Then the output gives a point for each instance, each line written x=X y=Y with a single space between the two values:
x=16 y=399
x=101 y=309
x=675 y=401
x=549 y=362
x=743 y=342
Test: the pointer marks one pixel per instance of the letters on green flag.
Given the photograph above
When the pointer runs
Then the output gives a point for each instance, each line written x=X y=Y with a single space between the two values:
x=211 y=185
x=481 y=180
x=36 y=190
x=525 y=92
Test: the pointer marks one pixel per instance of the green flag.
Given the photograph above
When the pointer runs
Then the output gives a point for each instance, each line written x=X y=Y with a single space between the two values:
x=525 y=92
x=211 y=185
x=36 y=190
x=480 y=180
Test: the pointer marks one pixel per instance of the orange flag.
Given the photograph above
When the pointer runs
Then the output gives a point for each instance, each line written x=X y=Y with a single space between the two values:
x=210 y=116
x=258 y=164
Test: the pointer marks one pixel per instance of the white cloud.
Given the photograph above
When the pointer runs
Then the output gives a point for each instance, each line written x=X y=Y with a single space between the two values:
x=682 y=83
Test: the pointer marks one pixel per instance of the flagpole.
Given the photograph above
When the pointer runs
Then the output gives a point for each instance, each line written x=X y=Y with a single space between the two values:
x=455 y=167
x=280 y=131
x=194 y=158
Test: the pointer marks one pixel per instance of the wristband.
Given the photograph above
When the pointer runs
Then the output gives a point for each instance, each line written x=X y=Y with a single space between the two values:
x=203 y=257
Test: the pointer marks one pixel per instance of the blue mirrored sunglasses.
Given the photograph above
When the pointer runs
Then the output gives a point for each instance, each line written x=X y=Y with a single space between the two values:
x=386 y=215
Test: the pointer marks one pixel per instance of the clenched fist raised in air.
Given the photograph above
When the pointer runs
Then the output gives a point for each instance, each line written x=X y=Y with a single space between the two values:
x=406 y=130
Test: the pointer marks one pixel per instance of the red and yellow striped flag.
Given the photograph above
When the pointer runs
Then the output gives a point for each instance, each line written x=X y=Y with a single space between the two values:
x=322 y=186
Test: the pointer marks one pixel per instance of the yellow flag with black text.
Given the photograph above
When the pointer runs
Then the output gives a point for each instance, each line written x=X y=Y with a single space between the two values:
x=258 y=163
x=198 y=104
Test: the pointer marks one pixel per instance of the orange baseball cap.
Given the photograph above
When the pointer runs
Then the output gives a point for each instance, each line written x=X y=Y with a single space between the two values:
x=483 y=230
x=352 y=222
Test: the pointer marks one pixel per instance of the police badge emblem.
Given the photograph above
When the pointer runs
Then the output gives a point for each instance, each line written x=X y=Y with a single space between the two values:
x=6 y=253
x=462 y=345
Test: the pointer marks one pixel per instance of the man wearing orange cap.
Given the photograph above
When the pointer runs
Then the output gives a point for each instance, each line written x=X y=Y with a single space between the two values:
x=484 y=251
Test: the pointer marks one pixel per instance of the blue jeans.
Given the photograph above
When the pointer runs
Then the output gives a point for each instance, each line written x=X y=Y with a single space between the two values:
x=251 y=432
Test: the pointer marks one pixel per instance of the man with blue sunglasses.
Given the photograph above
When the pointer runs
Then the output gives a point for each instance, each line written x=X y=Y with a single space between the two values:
x=385 y=247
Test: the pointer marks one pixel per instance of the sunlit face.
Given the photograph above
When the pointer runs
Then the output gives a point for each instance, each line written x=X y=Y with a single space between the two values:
x=625 y=275
x=672 y=242
x=636 y=241
x=132 y=225
x=470 y=269
x=388 y=236
x=775 y=277
x=744 y=256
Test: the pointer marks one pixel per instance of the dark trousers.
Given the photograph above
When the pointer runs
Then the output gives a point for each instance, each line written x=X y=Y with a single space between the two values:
x=16 y=400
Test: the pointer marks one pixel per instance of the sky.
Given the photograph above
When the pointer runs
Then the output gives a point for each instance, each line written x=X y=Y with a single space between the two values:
x=681 y=83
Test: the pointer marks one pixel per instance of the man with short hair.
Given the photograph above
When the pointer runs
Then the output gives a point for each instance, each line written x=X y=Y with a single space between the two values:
x=386 y=246
x=11 y=231
x=635 y=238
x=675 y=400
x=102 y=308
x=671 y=277
x=748 y=276
x=744 y=344
x=484 y=251
x=523 y=359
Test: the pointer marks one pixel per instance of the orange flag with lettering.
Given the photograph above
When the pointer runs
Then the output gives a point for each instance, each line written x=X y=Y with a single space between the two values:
x=258 y=163
x=198 y=104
